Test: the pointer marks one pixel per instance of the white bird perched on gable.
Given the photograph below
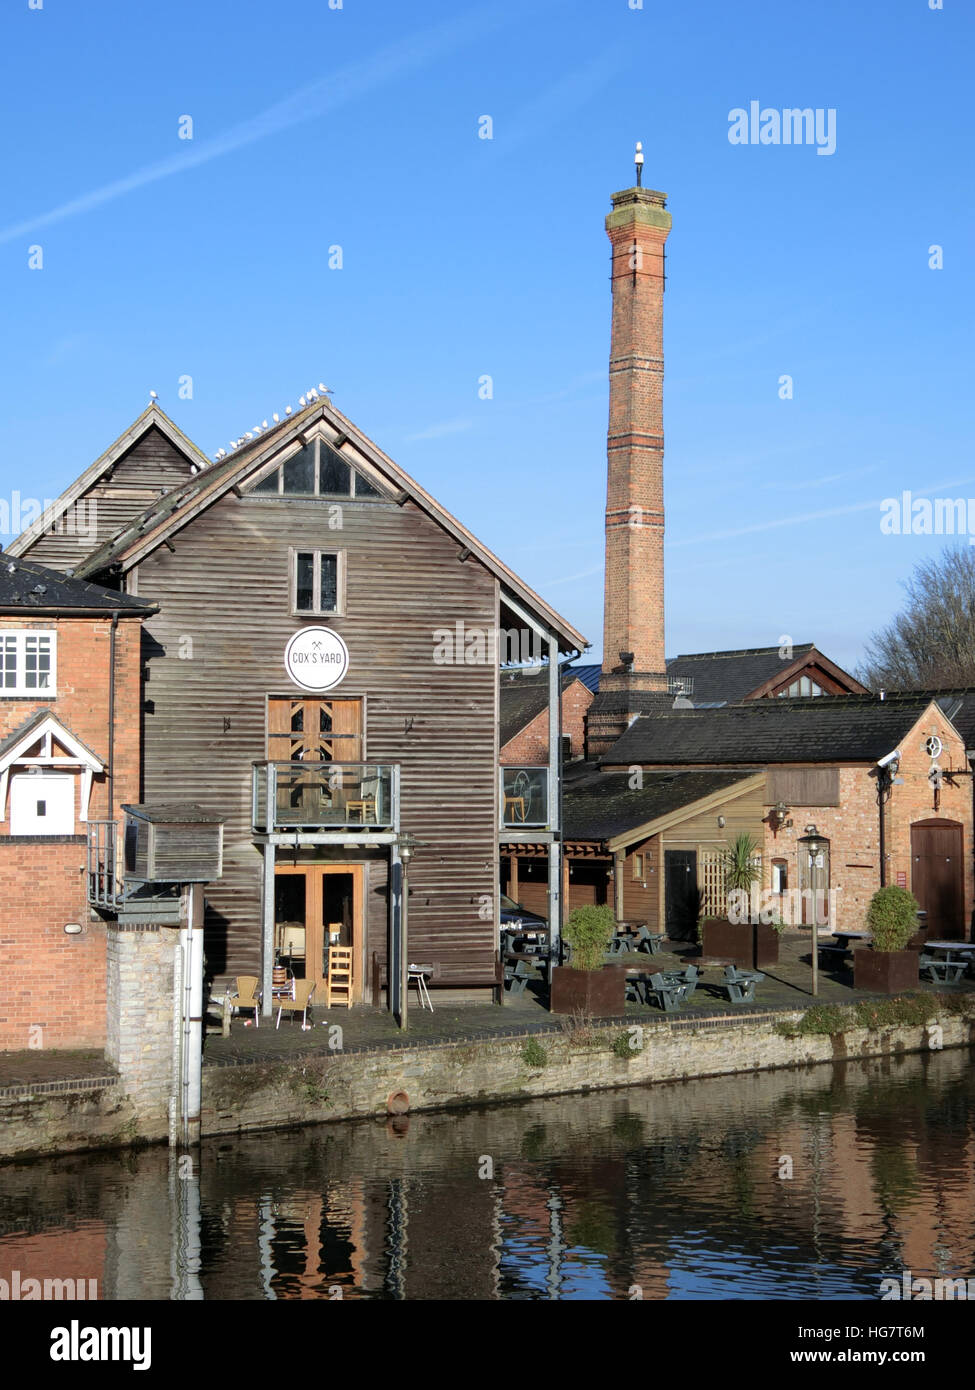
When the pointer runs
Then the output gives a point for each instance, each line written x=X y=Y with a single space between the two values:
x=302 y=402
x=153 y=396
x=287 y=410
x=276 y=418
x=263 y=424
x=325 y=390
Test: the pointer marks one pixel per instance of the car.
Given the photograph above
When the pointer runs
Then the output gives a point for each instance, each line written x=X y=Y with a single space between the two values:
x=526 y=931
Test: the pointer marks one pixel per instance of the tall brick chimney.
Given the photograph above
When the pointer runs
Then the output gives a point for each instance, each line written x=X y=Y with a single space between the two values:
x=633 y=622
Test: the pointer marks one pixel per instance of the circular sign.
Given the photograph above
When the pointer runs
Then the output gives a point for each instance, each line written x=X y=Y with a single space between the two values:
x=316 y=658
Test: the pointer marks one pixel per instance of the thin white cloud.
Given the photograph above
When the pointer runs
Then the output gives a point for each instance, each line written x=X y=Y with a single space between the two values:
x=337 y=89
x=938 y=489
x=445 y=427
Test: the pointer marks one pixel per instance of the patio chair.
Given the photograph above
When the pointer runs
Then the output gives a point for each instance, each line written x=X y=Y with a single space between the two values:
x=667 y=994
x=516 y=976
x=304 y=989
x=620 y=945
x=248 y=996
x=739 y=985
x=648 y=941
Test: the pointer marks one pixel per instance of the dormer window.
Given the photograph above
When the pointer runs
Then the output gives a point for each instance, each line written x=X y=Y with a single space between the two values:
x=28 y=664
x=316 y=470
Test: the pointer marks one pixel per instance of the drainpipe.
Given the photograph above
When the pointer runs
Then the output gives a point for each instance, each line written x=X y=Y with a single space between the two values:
x=110 y=777
x=191 y=941
x=970 y=755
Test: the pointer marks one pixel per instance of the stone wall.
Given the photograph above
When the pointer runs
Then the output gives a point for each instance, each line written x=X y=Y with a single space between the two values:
x=142 y=1016
x=339 y=1087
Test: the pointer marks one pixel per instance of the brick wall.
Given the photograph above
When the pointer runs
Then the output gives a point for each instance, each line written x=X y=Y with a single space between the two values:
x=51 y=980
x=53 y=992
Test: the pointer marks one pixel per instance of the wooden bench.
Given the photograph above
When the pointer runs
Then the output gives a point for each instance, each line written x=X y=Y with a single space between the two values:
x=493 y=982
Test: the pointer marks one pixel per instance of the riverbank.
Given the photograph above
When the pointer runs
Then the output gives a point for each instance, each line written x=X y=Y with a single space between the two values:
x=321 y=1084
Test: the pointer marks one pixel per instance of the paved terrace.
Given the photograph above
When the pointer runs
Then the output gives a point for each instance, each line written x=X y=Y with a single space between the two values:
x=786 y=987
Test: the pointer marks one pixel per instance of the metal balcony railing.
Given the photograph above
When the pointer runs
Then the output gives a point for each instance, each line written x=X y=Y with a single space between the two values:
x=318 y=796
x=105 y=888
x=524 y=796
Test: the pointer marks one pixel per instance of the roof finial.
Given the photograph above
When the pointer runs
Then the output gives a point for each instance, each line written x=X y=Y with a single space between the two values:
x=639 y=163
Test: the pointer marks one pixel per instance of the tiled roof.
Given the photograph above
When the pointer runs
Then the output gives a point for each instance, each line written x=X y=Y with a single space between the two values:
x=523 y=696
x=841 y=728
x=730 y=676
x=597 y=805
x=26 y=586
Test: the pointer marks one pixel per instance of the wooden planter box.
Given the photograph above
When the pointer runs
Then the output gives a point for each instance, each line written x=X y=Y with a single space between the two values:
x=599 y=993
x=885 y=972
x=746 y=943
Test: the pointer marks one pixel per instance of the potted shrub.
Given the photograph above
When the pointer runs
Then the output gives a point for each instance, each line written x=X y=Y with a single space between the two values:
x=886 y=966
x=736 y=937
x=585 y=986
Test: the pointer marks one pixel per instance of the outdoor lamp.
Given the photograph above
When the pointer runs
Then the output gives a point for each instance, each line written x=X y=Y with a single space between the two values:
x=780 y=810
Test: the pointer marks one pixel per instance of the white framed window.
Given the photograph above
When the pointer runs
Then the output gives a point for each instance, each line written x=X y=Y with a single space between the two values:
x=317 y=581
x=28 y=663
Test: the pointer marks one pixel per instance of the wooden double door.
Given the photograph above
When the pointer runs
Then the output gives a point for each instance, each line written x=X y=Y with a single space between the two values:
x=317 y=907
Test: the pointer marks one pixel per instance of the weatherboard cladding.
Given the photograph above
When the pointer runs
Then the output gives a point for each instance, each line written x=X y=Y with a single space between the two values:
x=215 y=652
x=842 y=728
x=151 y=467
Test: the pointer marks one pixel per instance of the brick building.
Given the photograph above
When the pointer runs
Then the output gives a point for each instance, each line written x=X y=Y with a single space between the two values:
x=69 y=755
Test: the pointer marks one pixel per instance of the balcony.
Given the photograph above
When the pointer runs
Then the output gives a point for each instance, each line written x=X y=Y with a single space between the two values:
x=524 y=797
x=317 y=796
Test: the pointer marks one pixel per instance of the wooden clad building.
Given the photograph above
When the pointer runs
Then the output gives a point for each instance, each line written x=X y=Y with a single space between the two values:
x=323 y=674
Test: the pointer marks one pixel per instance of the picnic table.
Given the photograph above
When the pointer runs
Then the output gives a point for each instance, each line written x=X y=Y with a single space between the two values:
x=837 y=952
x=951 y=962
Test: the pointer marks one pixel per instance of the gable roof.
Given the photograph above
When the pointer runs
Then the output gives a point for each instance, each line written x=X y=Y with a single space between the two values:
x=750 y=672
x=165 y=517
x=43 y=721
x=599 y=805
x=840 y=728
x=151 y=418
x=524 y=697
x=27 y=587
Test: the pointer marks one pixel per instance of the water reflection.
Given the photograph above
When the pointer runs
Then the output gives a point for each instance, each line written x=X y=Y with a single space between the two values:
x=673 y=1192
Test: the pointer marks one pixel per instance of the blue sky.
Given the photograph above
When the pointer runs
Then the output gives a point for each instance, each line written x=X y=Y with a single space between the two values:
x=358 y=127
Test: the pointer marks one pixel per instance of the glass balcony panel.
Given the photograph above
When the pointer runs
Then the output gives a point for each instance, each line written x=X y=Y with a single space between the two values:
x=525 y=791
x=324 y=796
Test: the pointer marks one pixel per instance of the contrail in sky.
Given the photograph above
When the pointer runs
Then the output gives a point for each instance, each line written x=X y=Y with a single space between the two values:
x=316 y=99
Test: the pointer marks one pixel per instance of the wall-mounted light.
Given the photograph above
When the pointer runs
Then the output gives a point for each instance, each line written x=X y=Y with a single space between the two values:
x=779 y=812
x=721 y=822
x=73 y=928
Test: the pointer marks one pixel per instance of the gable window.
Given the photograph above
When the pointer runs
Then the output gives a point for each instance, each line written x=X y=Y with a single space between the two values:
x=317 y=581
x=803 y=686
x=638 y=866
x=28 y=664
x=317 y=470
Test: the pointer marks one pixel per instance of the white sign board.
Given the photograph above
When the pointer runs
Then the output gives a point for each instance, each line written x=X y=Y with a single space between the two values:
x=316 y=658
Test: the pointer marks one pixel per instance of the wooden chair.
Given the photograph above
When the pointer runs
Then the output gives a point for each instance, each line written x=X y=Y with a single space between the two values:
x=338 y=981
x=248 y=996
x=304 y=989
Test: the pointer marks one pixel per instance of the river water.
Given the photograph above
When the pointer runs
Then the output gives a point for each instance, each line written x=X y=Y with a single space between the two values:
x=782 y=1185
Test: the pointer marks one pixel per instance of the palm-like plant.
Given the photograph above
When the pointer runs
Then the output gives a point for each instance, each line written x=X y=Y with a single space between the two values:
x=741 y=871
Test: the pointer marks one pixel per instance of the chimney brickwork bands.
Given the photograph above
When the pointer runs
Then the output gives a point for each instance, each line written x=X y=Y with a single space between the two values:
x=634 y=586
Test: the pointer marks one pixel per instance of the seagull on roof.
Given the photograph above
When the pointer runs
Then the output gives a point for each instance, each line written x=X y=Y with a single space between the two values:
x=153 y=396
x=276 y=418
x=287 y=410
x=325 y=390
x=302 y=402
x=263 y=424
x=233 y=444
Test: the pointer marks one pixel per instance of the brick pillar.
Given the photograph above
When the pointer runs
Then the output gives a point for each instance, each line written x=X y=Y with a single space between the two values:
x=634 y=584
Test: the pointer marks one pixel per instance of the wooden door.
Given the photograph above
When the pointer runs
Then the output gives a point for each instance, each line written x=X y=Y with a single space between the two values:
x=938 y=876
x=301 y=731
x=332 y=912
x=681 y=892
